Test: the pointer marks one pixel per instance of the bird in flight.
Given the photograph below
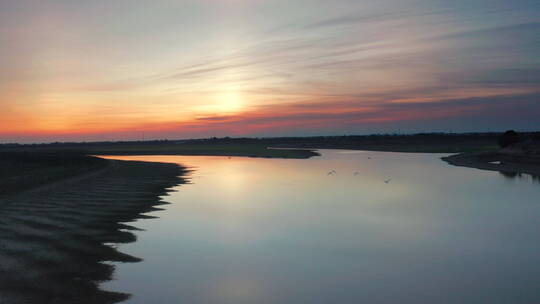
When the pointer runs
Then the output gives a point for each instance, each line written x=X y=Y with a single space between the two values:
x=331 y=172
x=387 y=181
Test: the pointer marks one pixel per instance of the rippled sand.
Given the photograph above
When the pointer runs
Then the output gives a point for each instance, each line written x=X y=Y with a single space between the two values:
x=54 y=240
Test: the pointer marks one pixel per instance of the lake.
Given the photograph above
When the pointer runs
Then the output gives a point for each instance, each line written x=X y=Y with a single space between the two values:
x=346 y=227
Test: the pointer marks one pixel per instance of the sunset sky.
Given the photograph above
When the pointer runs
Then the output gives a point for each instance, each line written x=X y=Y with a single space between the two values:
x=74 y=70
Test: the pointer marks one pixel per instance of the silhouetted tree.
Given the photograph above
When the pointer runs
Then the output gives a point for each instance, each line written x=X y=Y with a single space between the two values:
x=508 y=138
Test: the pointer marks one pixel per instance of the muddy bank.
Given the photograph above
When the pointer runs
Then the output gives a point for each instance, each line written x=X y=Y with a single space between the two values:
x=497 y=161
x=28 y=170
x=52 y=239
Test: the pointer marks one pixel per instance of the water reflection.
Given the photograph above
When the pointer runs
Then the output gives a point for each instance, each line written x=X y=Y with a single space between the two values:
x=284 y=231
x=521 y=176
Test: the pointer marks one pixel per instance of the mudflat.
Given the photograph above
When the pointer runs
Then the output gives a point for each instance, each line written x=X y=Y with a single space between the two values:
x=496 y=161
x=54 y=239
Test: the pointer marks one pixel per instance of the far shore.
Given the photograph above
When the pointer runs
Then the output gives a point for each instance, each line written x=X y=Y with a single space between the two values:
x=258 y=147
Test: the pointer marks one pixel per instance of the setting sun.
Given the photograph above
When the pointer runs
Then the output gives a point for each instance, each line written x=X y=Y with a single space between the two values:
x=230 y=101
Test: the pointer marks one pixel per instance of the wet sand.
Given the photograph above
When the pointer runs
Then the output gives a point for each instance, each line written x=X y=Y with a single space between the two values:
x=54 y=240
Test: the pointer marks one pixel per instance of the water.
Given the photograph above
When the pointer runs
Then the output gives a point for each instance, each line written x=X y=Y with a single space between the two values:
x=284 y=231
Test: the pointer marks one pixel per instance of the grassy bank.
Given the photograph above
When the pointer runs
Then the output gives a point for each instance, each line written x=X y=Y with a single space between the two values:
x=419 y=143
x=247 y=149
x=229 y=149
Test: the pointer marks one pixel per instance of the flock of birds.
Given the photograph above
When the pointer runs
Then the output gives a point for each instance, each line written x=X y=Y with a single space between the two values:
x=334 y=172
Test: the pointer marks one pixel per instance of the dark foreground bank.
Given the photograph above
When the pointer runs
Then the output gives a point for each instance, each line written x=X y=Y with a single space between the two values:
x=53 y=238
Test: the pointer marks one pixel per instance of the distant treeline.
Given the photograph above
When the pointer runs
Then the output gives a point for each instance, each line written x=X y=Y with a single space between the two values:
x=527 y=143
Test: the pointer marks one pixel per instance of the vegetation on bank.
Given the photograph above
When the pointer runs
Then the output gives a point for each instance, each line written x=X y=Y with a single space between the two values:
x=508 y=138
x=517 y=154
x=520 y=143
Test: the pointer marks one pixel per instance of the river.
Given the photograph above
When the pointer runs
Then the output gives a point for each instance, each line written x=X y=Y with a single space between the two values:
x=346 y=227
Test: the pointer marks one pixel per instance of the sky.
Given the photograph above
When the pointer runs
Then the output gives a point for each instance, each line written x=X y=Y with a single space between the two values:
x=74 y=70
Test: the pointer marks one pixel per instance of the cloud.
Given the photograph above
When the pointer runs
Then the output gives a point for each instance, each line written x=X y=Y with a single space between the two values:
x=305 y=116
x=335 y=65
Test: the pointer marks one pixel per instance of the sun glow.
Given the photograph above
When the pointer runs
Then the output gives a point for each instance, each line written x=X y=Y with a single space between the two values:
x=230 y=101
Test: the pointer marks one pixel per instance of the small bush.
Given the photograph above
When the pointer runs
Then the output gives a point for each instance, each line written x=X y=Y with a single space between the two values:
x=508 y=138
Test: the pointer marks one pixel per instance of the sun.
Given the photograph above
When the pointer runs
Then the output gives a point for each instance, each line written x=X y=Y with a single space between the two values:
x=230 y=101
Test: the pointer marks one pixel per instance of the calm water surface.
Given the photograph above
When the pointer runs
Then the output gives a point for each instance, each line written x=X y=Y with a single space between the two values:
x=284 y=231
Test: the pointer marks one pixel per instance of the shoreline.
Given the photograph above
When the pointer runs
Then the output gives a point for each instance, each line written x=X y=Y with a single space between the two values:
x=53 y=238
x=509 y=163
